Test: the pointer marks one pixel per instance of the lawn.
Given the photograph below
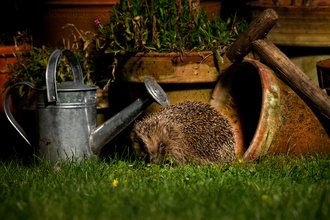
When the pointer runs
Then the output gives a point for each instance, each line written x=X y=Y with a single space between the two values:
x=275 y=187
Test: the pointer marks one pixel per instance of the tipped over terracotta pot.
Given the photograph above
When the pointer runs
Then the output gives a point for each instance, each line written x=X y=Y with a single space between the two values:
x=268 y=116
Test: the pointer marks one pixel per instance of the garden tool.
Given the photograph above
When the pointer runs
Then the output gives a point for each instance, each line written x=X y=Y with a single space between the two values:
x=66 y=121
x=254 y=38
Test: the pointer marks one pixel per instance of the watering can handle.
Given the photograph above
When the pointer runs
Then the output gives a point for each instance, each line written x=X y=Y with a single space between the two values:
x=10 y=115
x=51 y=72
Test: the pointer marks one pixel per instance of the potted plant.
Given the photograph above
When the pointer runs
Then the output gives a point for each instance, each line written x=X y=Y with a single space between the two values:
x=31 y=63
x=10 y=44
x=171 y=42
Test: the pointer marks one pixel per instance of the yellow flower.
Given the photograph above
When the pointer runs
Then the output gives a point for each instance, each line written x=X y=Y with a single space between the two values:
x=114 y=182
x=264 y=197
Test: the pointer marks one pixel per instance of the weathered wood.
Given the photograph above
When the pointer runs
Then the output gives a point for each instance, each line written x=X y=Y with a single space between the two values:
x=257 y=29
x=293 y=76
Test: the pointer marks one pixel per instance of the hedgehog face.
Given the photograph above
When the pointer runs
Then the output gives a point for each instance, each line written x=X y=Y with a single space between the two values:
x=155 y=152
x=152 y=142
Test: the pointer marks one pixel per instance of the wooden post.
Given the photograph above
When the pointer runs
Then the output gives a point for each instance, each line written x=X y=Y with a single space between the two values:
x=299 y=82
x=257 y=29
x=253 y=38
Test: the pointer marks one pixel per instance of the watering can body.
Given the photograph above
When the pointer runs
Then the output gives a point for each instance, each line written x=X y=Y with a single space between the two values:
x=64 y=128
x=67 y=114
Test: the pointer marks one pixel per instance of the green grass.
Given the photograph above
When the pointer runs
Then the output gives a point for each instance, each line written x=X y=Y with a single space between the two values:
x=276 y=187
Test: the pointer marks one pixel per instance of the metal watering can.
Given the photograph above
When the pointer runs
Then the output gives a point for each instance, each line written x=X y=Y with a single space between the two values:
x=67 y=116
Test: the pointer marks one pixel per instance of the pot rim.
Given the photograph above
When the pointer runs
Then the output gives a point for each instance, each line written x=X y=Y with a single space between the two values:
x=7 y=50
x=268 y=117
x=167 y=54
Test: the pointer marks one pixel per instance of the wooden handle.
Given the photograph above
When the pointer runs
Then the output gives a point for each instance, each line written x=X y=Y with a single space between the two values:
x=299 y=82
x=257 y=29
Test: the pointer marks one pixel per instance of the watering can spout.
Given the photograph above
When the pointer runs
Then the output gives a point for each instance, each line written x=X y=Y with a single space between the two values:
x=102 y=134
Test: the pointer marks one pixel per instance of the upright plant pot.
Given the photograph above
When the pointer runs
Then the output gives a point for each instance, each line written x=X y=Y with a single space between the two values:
x=7 y=130
x=8 y=52
x=11 y=137
x=103 y=107
x=186 y=79
x=268 y=116
x=54 y=14
x=301 y=32
x=212 y=8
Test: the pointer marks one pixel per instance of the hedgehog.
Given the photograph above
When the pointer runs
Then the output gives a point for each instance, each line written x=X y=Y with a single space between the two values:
x=186 y=132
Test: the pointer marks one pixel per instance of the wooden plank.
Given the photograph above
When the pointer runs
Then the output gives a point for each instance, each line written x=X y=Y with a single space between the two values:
x=311 y=93
x=257 y=29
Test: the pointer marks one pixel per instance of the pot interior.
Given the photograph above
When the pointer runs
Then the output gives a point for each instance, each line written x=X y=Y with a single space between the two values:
x=238 y=95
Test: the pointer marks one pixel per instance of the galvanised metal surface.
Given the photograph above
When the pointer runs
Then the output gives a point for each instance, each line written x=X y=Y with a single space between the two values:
x=8 y=113
x=67 y=114
x=154 y=90
x=64 y=128
x=267 y=116
x=104 y=133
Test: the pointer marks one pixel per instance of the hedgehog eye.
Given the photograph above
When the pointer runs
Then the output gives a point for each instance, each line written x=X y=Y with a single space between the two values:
x=145 y=149
x=161 y=145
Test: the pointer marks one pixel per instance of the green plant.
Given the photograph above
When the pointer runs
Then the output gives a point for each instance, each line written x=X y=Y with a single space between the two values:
x=166 y=26
x=32 y=62
x=134 y=26
x=16 y=38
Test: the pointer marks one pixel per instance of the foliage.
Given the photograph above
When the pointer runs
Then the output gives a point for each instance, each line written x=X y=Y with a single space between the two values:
x=17 y=38
x=276 y=187
x=134 y=25
x=32 y=61
x=166 y=26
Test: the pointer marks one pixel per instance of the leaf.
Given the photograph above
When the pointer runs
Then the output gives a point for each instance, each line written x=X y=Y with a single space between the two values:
x=152 y=45
x=113 y=51
x=89 y=82
x=200 y=54
x=161 y=12
x=235 y=29
x=5 y=85
x=4 y=70
x=216 y=54
x=20 y=91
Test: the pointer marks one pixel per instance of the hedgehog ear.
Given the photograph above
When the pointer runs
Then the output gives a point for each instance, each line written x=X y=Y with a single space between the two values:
x=167 y=128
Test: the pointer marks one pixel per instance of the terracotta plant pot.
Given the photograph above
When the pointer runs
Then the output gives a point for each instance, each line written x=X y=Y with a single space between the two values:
x=54 y=14
x=268 y=117
x=15 y=139
x=212 y=8
x=8 y=52
x=57 y=13
x=189 y=79
x=7 y=129
x=103 y=107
